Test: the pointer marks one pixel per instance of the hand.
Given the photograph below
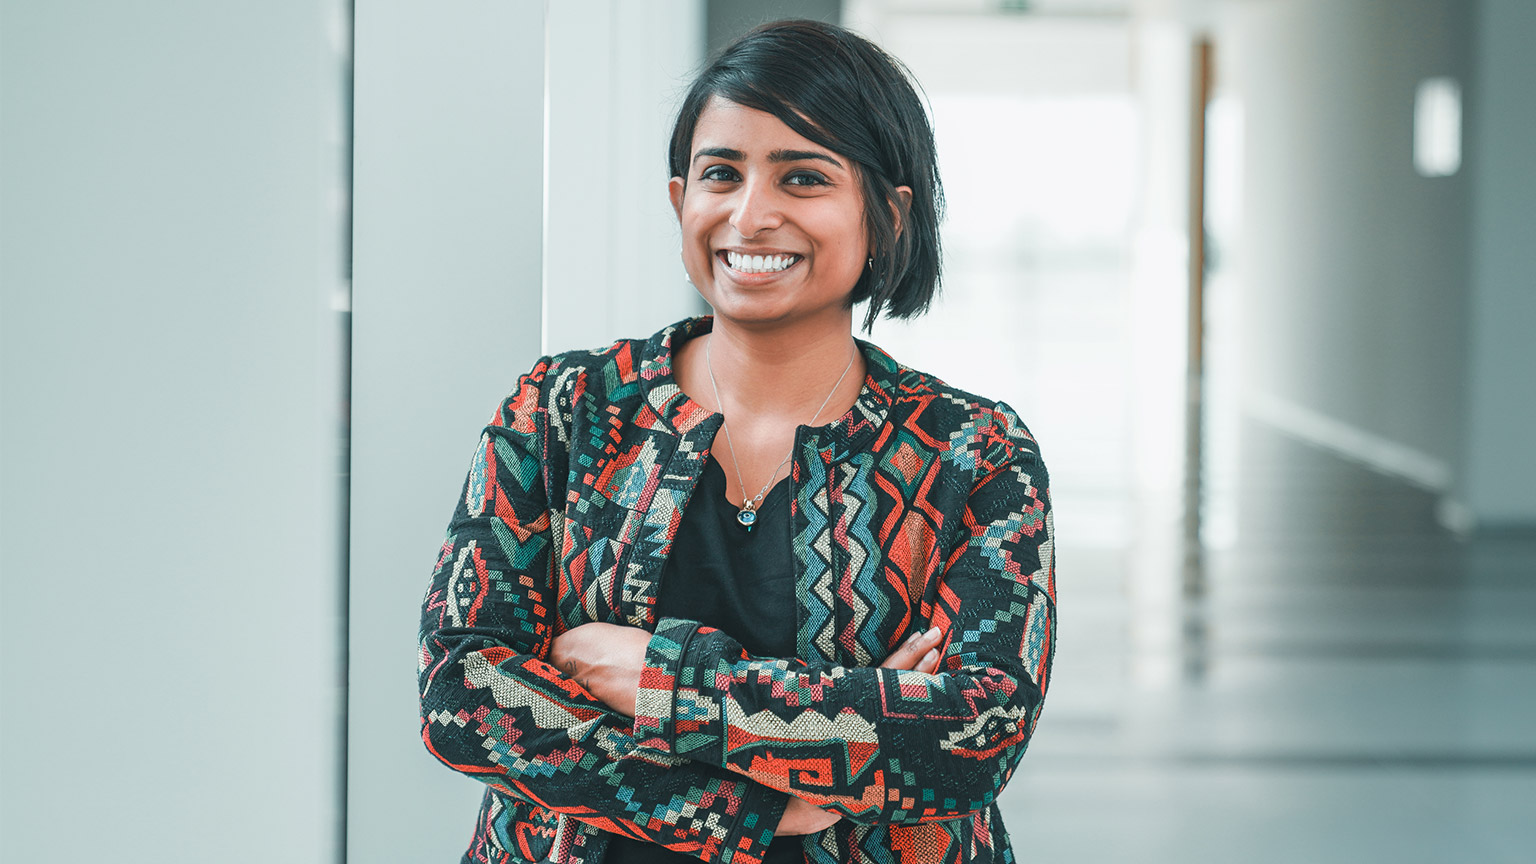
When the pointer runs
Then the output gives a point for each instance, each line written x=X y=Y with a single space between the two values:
x=920 y=653
x=606 y=659
x=802 y=817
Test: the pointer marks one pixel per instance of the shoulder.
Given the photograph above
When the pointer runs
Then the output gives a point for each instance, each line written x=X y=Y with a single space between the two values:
x=560 y=378
x=542 y=409
x=982 y=433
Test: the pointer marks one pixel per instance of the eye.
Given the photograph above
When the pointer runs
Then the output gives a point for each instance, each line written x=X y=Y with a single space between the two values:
x=719 y=174
x=805 y=178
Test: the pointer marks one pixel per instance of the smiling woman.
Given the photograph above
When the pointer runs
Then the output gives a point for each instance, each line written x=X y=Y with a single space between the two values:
x=845 y=103
x=773 y=223
x=827 y=640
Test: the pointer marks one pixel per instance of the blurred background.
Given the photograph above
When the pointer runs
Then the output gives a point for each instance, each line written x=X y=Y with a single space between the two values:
x=1257 y=273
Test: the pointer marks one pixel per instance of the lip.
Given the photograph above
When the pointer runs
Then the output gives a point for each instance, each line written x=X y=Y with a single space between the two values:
x=756 y=250
x=755 y=278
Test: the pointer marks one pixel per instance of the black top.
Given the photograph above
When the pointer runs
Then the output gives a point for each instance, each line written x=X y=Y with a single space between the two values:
x=740 y=582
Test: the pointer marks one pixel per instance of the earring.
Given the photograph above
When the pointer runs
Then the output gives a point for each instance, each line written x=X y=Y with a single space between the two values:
x=871 y=265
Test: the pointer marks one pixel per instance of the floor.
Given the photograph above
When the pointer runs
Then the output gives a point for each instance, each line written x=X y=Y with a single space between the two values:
x=1335 y=679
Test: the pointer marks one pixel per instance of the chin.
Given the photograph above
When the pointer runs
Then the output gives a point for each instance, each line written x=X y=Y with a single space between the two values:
x=765 y=312
x=752 y=313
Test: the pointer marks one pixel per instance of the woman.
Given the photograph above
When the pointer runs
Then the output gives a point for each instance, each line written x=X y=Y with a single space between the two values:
x=830 y=623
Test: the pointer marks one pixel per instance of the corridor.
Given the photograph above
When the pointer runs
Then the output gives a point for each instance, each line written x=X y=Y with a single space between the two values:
x=1343 y=682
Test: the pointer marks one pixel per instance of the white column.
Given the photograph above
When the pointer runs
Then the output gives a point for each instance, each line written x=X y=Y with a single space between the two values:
x=173 y=238
x=1499 y=486
x=616 y=74
x=446 y=311
x=1355 y=267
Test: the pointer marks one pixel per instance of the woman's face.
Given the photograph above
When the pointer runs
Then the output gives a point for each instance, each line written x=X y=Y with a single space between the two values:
x=772 y=223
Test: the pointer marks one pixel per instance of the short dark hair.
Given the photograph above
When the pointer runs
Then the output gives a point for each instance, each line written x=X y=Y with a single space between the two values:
x=844 y=93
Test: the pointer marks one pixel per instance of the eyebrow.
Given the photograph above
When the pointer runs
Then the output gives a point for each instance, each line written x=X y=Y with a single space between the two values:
x=774 y=156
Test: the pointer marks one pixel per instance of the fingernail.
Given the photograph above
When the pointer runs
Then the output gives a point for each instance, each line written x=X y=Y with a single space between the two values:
x=932 y=655
x=933 y=633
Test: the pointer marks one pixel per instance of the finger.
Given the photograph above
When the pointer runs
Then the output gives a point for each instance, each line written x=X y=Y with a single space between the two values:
x=930 y=662
x=574 y=673
x=904 y=656
x=911 y=652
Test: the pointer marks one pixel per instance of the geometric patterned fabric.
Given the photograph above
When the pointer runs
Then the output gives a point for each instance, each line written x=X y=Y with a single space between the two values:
x=922 y=506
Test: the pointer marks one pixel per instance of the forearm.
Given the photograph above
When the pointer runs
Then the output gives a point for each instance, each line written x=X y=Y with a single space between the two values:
x=518 y=725
x=878 y=745
x=493 y=709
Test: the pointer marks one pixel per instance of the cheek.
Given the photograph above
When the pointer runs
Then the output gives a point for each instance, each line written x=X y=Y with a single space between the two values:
x=695 y=224
x=849 y=245
x=692 y=237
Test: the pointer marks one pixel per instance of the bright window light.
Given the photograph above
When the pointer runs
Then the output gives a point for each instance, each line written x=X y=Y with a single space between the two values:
x=1437 y=127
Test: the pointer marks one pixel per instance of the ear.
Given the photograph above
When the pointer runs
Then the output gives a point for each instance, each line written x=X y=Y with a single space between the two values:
x=675 y=188
x=905 y=194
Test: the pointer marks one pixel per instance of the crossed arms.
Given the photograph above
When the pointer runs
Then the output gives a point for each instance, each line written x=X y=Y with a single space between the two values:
x=727 y=749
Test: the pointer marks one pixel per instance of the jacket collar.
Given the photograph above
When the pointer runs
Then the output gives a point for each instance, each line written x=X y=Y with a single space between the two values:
x=854 y=430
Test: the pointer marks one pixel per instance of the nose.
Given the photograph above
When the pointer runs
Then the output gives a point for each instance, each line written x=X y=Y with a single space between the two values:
x=755 y=209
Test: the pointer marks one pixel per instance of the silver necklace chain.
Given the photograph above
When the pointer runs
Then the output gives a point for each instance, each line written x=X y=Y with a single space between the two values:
x=748 y=514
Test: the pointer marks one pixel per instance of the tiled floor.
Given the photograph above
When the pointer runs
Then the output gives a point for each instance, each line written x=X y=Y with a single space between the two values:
x=1341 y=681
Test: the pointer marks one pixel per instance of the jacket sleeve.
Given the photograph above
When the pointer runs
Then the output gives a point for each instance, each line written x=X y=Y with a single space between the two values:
x=882 y=745
x=491 y=707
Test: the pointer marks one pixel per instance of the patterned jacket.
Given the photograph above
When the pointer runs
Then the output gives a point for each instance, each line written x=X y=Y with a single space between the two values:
x=922 y=506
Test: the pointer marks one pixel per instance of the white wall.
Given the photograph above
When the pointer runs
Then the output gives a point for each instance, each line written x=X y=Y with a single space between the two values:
x=170 y=185
x=1354 y=269
x=446 y=314
x=1499 y=484
x=481 y=235
x=617 y=72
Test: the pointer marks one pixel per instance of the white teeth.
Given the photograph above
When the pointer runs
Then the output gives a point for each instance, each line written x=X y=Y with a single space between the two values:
x=759 y=263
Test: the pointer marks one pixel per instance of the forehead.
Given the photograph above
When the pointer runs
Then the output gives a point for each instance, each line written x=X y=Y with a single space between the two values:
x=724 y=123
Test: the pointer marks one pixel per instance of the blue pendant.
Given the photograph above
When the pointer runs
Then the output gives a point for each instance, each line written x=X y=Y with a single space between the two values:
x=747 y=517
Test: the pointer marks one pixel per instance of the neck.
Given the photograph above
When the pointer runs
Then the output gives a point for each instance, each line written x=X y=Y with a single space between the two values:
x=786 y=371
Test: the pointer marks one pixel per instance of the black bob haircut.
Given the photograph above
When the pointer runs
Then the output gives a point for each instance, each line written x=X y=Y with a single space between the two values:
x=841 y=91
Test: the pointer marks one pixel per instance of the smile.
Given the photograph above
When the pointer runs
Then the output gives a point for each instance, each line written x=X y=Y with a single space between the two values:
x=758 y=263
